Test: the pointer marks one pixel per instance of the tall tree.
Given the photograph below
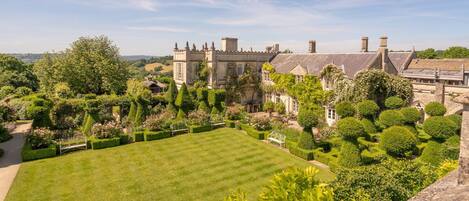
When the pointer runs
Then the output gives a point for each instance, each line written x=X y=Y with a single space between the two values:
x=456 y=52
x=14 y=72
x=429 y=53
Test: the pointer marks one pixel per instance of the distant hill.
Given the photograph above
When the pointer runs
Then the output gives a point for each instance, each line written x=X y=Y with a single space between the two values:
x=33 y=57
x=166 y=68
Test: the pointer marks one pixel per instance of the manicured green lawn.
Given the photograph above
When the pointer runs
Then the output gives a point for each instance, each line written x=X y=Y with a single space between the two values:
x=204 y=166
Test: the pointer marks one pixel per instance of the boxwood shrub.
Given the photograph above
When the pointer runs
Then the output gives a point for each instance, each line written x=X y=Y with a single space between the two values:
x=138 y=136
x=367 y=108
x=350 y=128
x=302 y=153
x=104 y=143
x=199 y=129
x=329 y=158
x=349 y=155
x=29 y=154
x=410 y=115
x=393 y=102
x=439 y=127
x=230 y=123
x=435 y=109
x=369 y=126
x=432 y=153
x=252 y=131
x=457 y=119
x=398 y=141
x=345 y=109
x=390 y=118
x=152 y=135
x=125 y=139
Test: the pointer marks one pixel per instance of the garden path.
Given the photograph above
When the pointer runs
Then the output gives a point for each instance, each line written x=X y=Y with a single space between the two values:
x=11 y=159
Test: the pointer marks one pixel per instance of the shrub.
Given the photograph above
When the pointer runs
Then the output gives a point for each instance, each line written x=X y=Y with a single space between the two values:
x=368 y=126
x=433 y=153
x=6 y=113
x=252 y=131
x=410 y=115
x=350 y=128
x=29 y=154
x=393 y=102
x=202 y=94
x=349 y=155
x=280 y=108
x=261 y=123
x=106 y=131
x=125 y=139
x=398 y=141
x=149 y=135
x=307 y=119
x=307 y=154
x=6 y=91
x=345 y=109
x=305 y=141
x=268 y=106
x=435 y=109
x=104 y=143
x=199 y=129
x=181 y=114
x=203 y=106
x=390 y=118
x=183 y=99
x=40 y=138
x=4 y=135
x=139 y=136
x=216 y=97
x=367 y=108
x=234 y=112
x=62 y=90
x=171 y=93
x=451 y=148
x=23 y=91
x=439 y=127
x=457 y=119
x=158 y=122
x=198 y=118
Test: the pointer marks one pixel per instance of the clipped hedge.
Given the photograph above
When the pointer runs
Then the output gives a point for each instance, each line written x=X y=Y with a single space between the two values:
x=302 y=153
x=28 y=154
x=457 y=119
x=199 y=129
x=252 y=132
x=367 y=108
x=390 y=118
x=139 y=136
x=104 y=143
x=440 y=127
x=329 y=158
x=305 y=141
x=230 y=123
x=345 y=109
x=432 y=153
x=125 y=139
x=435 y=109
x=398 y=141
x=410 y=115
x=151 y=135
x=369 y=126
x=350 y=128
x=349 y=155
x=393 y=102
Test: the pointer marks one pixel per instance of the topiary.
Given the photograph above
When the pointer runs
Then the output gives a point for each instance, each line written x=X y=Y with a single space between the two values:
x=369 y=126
x=410 y=115
x=345 y=109
x=393 y=102
x=440 y=127
x=432 y=154
x=390 y=118
x=171 y=94
x=367 y=108
x=183 y=99
x=202 y=94
x=306 y=141
x=307 y=119
x=398 y=141
x=457 y=119
x=451 y=147
x=349 y=155
x=203 y=106
x=435 y=109
x=350 y=128
x=181 y=114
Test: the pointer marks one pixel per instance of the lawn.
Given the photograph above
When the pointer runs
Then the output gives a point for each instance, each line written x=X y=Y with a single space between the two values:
x=203 y=166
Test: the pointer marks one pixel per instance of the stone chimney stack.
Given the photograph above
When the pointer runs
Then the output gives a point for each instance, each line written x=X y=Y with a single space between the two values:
x=229 y=44
x=364 y=44
x=312 y=46
x=383 y=42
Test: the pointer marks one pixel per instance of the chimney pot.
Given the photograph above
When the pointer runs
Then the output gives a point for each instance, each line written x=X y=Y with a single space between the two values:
x=364 y=44
x=383 y=41
x=312 y=46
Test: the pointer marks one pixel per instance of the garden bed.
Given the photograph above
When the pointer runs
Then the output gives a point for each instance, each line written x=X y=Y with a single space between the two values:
x=29 y=154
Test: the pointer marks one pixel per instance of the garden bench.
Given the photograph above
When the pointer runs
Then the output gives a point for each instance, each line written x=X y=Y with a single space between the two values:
x=277 y=138
x=71 y=144
x=216 y=124
x=178 y=129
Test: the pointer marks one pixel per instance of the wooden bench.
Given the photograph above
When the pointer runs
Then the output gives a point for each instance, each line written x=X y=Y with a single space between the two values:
x=217 y=124
x=277 y=138
x=77 y=143
x=175 y=129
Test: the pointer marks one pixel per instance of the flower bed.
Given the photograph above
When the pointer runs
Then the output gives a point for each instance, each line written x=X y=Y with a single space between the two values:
x=29 y=153
x=104 y=143
x=252 y=132
x=199 y=129
x=152 y=135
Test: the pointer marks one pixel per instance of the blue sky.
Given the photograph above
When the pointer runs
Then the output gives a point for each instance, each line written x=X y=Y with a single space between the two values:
x=152 y=26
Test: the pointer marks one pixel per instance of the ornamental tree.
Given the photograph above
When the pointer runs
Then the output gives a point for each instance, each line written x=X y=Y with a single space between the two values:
x=350 y=128
x=367 y=109
x=398 y=141
x=183 y=99
x=307 y=119
x=435 y=109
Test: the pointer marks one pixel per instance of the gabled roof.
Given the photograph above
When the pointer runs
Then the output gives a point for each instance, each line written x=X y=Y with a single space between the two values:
x=299 y=70
x=314 y=62
x=442 y=64
x=399 y=59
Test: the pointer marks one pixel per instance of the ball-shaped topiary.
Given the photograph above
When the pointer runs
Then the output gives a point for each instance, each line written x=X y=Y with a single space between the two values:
x=367 y=108
x=410 y=114
x=435 y=109
x=397 y=140
x=345 y=109
x=433 y=153
x=350 y=128
x=307 y=119
x=456 y=118
x=306 y=141
x=369 y=126
x=440 y=127
x=390 y=118
x=393 y=102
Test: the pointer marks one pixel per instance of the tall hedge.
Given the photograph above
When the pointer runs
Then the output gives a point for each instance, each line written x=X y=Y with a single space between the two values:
x=398 y=141
x=440 y=127
x=345 y=109
x=91 y=116
x=367 y=108
x=350 y=128
x=349 y=155
x=435 y=109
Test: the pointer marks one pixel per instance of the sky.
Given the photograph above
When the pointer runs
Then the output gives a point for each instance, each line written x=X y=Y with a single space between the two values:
x=151 y=27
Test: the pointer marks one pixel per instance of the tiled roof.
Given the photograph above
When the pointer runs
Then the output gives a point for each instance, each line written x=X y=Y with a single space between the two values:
x=314 y=62
x=442 y=64
x=399 y=59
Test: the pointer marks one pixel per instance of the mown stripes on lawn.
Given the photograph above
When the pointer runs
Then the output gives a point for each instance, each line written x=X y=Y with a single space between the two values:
x=202 y=166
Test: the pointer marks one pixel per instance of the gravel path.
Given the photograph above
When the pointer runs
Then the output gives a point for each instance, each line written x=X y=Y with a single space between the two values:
x=11 y=159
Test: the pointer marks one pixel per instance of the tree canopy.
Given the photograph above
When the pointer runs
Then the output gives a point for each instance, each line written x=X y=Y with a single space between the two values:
x=14 y=72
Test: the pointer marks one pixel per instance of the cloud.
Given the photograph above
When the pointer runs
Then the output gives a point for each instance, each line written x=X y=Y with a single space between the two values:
x=148 y=5
x=159 y=29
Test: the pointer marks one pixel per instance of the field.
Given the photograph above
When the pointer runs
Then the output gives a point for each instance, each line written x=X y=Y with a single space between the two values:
x=166 y=68
x=203 y=166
